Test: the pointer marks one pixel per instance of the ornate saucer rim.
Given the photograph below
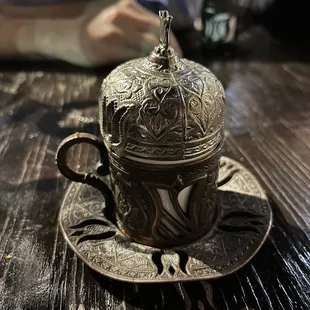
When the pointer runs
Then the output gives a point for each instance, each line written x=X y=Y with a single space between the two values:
x=185 y=278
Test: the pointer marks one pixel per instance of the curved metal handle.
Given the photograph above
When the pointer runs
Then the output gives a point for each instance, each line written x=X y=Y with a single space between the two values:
x=102 y=168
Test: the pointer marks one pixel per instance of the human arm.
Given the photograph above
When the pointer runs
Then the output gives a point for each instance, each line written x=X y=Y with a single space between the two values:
x=17 y=25
x=97 y=34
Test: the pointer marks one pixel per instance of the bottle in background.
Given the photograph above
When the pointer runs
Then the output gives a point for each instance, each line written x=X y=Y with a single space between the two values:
x=222 y=22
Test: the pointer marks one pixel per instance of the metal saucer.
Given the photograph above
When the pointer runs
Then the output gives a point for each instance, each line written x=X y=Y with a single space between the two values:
x=243 y=224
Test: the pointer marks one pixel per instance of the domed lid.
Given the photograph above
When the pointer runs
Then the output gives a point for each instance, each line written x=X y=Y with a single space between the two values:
x=161 y=107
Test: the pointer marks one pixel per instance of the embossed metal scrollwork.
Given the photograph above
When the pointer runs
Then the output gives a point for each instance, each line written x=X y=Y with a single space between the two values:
x=241 y=228
x=161 y=118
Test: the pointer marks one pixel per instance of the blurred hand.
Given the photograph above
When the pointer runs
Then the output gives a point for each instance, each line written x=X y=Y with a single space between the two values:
x=101 y=34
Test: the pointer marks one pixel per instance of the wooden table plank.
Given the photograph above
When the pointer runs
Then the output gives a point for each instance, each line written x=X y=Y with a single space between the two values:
x=267 y=129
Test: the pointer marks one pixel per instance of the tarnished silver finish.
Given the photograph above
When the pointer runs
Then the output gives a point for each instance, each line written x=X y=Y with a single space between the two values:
x=162 y=122
x=151 y=111
x=161 y=119
x=170 y=114
x=243 y=222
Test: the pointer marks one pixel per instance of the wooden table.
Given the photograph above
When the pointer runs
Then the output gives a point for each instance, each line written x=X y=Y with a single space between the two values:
x=268 y=128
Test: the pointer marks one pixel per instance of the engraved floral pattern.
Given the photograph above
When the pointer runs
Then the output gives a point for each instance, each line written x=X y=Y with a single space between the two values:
x=239 y=231
x=185 y=104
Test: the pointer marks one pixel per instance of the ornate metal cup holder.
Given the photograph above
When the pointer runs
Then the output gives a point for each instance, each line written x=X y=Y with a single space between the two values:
x=242 y=226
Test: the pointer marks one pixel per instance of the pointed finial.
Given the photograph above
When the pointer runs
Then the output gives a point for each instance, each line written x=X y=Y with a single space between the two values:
x=164 y=54
x=165 y=27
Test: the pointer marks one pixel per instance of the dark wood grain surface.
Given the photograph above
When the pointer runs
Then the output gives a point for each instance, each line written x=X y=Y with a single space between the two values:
x=267 y=129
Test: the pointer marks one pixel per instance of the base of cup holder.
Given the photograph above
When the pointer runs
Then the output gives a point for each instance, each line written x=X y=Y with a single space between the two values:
x=240 y=231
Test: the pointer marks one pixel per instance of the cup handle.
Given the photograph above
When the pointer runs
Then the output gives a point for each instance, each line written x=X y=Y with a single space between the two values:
x=102 y=168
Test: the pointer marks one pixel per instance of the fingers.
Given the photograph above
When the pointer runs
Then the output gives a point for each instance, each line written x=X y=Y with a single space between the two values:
x=148 y=42
x=105 y=52
x=123 y=15
x=124 y=31
x=113 y=36
x=142 y=43
x=115 y=47
x=148 y=22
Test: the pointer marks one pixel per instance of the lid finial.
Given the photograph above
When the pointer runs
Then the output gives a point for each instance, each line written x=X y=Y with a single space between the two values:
x=164 y=54
x=165 y=26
